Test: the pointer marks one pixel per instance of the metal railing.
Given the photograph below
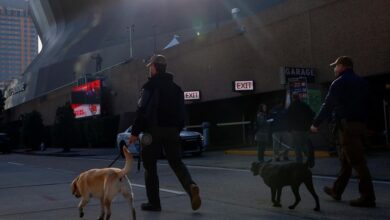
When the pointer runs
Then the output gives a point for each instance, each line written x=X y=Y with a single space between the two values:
x=206 y=128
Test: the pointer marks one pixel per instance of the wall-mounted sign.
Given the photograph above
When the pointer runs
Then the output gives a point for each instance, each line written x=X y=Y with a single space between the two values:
x=299 y=86
x=86 y=110
x=288 y=73
x=192 y=95
x=86 y=99
x=243 y=86
x=21 y=87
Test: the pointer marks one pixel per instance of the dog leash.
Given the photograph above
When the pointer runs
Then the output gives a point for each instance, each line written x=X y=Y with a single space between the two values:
x=283 y=144
x=116 y=158
x=119 y=155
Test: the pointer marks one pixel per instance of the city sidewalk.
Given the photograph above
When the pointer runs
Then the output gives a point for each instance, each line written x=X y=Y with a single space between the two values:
x=326 y=165
x=378 y=161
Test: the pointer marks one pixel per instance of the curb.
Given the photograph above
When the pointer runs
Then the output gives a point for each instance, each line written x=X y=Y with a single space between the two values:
x=317 y=154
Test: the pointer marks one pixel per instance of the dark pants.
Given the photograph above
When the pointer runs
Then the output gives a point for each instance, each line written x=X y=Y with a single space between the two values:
x=261 y=138
x=352 y=156
x=167 y=139
x=299 y=142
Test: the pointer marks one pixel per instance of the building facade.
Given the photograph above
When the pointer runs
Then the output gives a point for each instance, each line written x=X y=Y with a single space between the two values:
x=18 y=41
x=292 y=35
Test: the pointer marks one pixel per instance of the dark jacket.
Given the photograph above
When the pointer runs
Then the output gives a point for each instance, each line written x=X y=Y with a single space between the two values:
x=299 y=116
x=347 y=97
x=261 y=122
x=278 y=114
x=161 y=103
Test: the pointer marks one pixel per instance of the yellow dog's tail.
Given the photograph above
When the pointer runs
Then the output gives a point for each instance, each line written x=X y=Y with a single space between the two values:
x=129 y=161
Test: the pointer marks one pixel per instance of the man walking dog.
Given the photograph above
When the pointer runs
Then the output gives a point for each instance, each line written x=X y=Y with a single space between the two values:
x=299 y=118
x=348 y=97
x=161 y=113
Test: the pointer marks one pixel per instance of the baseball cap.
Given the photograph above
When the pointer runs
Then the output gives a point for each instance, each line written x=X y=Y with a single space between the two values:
x=157 y=59
x=344 y=60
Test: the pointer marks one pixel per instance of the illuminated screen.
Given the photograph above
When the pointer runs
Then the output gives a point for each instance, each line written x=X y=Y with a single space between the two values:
x=86 y=99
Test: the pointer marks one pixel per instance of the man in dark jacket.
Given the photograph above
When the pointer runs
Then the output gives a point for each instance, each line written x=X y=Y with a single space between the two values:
x=299 y=118
x=348 y=98
x=161 y=113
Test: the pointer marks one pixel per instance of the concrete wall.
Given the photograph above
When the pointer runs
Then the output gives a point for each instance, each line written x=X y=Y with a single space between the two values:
x=312 y=38
x=46 y=105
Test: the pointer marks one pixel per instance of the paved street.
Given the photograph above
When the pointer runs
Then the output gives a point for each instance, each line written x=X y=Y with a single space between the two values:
x=38 y=187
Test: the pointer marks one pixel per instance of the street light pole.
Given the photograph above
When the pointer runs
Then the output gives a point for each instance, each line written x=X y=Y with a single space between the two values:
x=154 y=38
x=216 y=8
x=131 y=30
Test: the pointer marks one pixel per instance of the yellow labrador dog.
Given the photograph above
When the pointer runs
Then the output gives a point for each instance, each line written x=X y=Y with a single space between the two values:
x=104 y=184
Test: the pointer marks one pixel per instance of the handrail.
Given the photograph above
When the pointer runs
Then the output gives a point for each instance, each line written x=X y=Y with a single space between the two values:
x=233 y=123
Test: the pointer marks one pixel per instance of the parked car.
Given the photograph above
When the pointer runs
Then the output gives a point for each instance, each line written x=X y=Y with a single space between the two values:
x=5 y=146
x=191 y=142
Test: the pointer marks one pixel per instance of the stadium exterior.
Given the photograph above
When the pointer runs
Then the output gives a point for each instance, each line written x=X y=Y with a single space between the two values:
x=214 y=51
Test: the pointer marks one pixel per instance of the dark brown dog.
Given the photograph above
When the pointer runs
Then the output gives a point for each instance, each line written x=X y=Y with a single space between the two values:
x=276 y=176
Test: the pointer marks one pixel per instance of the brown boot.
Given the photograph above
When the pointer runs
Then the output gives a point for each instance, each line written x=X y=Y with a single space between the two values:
x=329 y=191
x=195 y=198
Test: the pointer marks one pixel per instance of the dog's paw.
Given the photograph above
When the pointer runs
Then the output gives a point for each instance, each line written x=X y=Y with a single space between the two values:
x=291 y=207
x=317 y=209
x=277 y=205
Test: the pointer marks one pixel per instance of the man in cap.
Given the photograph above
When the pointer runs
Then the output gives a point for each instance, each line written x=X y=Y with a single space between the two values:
x=347 y=99
x=161 y=113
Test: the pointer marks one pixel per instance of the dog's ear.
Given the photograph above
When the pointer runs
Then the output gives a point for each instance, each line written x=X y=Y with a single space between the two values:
x=74 y=185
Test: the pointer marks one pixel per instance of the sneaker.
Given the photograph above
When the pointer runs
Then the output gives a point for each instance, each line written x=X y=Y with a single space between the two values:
x=329 y=191
x=150 y=207
x=195 y=198
x=362 y=203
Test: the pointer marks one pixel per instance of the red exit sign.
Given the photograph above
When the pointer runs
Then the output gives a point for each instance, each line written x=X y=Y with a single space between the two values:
x=240 y=86
x=192 y=95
